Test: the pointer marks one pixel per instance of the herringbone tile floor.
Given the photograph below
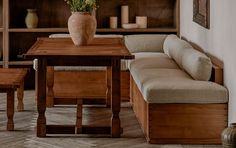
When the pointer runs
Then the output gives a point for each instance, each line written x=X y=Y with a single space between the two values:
x=24 y=134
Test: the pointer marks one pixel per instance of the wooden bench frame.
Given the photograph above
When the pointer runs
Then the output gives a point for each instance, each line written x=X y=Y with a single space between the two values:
x=179 y=123
x=182 y=123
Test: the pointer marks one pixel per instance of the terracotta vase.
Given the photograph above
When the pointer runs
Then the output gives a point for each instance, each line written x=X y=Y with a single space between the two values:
x=82 y=27
x=228 y=136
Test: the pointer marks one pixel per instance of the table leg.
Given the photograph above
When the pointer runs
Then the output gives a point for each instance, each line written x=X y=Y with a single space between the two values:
x=10 y=109
x=50 y=83
x=79 y=116
x=41 y=98
x=115 y=99
x=108 y=83
x=20 y=96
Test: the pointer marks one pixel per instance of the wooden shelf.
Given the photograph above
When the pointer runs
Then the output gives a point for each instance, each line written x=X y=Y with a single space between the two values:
x=38 y=30
x=1 y=29
x=99 y=30
x=138 y=30
x=20 y=63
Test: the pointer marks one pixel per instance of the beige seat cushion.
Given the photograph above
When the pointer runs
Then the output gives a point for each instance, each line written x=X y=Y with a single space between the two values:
x=144 y=43
x=175 y=86
x=152 y=60
x=143 y=75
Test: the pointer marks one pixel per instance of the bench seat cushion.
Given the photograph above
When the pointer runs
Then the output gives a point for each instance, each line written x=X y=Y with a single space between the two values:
x=152 y=60
x=176 y=86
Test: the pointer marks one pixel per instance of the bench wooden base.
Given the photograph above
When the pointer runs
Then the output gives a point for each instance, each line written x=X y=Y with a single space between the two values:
x=179 y=123
x=11 y=80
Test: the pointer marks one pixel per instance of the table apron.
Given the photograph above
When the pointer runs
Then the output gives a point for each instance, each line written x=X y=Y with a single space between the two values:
x=80 y=62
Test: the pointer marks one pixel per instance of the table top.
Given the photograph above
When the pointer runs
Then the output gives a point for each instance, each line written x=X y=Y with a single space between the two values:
x=64 y=47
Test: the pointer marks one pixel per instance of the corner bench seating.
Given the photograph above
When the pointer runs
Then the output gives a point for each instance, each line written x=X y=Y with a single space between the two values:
x=173 y=89
x=172 y=97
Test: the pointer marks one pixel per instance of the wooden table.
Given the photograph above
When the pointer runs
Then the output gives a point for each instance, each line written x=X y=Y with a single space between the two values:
x=61 y=52
x=11 y=80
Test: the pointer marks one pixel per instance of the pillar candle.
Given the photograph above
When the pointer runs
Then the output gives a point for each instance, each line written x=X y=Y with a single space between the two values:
x=113 y=22
x=141 y=21
x=124 y=14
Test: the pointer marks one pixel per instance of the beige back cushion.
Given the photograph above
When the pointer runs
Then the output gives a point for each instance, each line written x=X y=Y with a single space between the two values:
x=173 y=47
x=197 y=64
x=145 y=43
x=171 y=42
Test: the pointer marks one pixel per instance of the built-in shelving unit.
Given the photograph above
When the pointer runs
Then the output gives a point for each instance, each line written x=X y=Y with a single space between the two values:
x=16 y=39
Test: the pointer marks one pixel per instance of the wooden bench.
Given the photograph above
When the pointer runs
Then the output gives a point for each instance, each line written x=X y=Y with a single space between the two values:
x=165 y=103
x=11 y=80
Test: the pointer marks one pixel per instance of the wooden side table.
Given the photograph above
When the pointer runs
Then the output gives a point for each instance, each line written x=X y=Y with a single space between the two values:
x=11 y=80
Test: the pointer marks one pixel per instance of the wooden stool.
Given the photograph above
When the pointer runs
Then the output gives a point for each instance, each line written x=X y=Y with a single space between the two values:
x=10 y=80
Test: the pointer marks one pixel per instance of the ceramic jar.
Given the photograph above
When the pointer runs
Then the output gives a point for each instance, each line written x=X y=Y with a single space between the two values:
x=82 y=27
x=228 y=136
x=31 y=19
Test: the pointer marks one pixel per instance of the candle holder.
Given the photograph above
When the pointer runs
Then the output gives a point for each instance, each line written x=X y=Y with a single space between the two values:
x=113 y=22
x=124 y=14
x=141 y=21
